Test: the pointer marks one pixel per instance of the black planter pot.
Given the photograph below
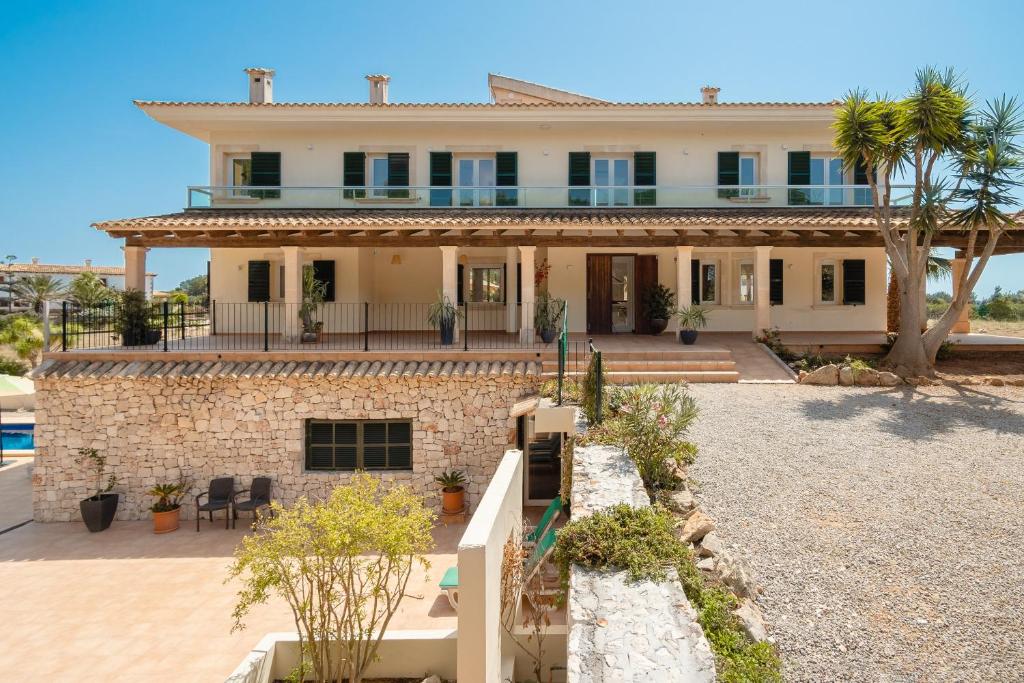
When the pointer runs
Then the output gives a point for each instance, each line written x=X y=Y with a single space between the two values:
x=139 y=337
x=547 y=335
x=658 y=325
x=688 y=337
x=99 y=513
x=447 y=334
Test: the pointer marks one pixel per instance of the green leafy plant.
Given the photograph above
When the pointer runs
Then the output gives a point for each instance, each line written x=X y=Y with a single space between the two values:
x=135 y=317
x=692 y=317
x=88 y=291
x=595 y=378
x=342 y=565
x=36 y=289
x=92 y=458
x=168 y=495
x=659 y=302
x=9 y=366
x=451 y=480
x=313 y=294
x=24 y=334
x=443 y=314
x=547 y=312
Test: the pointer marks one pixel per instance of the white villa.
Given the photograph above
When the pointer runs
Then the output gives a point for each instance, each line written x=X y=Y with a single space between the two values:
x=111 y=276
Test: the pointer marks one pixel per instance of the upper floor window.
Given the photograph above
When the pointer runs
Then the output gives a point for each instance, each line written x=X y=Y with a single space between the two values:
x=382 y=170
x=740 y=169
x=349 y=445
x=259 y=169
x=611 y=181
x=476 y=181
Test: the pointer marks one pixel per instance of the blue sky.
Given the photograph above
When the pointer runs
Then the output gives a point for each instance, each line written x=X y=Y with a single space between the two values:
x=77 y=151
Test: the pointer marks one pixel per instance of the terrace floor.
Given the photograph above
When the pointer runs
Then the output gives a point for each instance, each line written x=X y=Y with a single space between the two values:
x=125 y=604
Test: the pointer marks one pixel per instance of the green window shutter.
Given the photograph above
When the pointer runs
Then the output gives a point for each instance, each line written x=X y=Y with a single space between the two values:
x=460 y=281
x=441 y=176
x=728 y=173
x=398 y=174
x=645 y=173
x=506 y=166
x=853 y=282
x=266 y=172
x=354 y=173
x=775 y=281
x=799 y=174
x=323 y=271
x=695 y=281
x=579 y=175
x=259 y=281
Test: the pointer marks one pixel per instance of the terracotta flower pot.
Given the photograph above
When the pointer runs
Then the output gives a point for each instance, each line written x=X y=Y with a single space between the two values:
x=453 y=500
x=166 y=522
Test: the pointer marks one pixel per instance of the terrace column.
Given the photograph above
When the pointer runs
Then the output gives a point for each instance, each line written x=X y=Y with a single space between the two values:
x=684 y=281
x=511 y=304
x=526 y=257
x=450 y=277
x=963 y=323
x=135 y=268
x=762 y=295
x=291 y=327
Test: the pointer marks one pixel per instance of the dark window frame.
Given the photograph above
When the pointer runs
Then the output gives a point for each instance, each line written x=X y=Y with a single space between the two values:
x=360 y=445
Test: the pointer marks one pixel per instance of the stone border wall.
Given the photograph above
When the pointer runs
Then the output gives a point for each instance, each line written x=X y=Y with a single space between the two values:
x=156 y=429
x=621 y=630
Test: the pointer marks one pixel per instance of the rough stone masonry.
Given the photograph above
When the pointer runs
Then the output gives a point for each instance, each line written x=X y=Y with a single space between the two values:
x=205 y=421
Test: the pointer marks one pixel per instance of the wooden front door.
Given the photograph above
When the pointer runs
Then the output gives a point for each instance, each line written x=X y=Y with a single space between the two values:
x=645 y=272
x=599 y=293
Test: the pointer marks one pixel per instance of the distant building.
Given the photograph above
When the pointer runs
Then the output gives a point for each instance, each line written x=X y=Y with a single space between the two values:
x=111 y=276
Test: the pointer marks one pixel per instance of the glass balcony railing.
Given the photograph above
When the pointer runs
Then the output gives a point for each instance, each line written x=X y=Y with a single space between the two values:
x=712 y=196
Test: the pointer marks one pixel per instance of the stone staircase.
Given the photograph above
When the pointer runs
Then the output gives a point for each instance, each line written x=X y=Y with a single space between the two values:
x=685 y=364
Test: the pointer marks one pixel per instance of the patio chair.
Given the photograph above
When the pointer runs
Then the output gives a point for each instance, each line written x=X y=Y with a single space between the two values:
x=450 y=585
x=550 y=516
x=259 y=498
x=220 y=496
x=540 y=555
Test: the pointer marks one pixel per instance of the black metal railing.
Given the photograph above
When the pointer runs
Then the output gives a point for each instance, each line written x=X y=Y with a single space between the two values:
x=271 y=326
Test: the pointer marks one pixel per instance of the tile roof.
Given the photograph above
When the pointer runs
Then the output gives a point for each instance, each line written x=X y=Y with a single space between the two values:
x=88 y=369
x=488 y=105
x=60 y=269
x=284 y=219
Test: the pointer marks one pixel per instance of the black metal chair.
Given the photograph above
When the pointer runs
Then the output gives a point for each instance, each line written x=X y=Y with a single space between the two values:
x=220 y=496
x=259 y=497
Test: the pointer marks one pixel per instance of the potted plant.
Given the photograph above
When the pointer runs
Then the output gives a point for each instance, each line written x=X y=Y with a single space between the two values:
x=546 y=315
x=691 y=319
x=167 y=508
x=313 y=294
x=659 y=302
x=134 y=319
x=98 y=510
x=453 y=491
x=443 y=315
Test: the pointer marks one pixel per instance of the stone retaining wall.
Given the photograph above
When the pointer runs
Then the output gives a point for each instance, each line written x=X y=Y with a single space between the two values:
x=156 y=429
x=621 y=630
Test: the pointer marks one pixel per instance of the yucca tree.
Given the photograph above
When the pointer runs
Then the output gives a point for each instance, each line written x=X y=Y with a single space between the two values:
x=35 y=289
x=936 y=125
x=939 y=268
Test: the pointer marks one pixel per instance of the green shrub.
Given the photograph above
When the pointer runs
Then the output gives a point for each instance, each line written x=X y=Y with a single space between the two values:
x=9 y=366
x=590 y=383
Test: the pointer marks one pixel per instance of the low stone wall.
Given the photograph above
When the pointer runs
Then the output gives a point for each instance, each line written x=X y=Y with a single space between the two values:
x=621 y=630
x=155 y=429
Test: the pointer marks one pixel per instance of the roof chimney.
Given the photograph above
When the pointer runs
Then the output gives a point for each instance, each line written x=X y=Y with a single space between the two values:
x=35 y=260
x=709 y=94
x=261 y=85
x=378 y=88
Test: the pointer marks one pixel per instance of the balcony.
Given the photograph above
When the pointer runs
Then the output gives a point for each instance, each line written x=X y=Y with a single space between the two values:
x=564 y=197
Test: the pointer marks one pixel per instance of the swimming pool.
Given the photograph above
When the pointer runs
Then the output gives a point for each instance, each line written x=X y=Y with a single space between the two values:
x=17 y=437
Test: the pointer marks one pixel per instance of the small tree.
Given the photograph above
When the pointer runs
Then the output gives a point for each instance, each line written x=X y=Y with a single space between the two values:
x=36 y=289
x=93 y=459
x=195 y=287
x=935 y=125
x=24 y=334
x=342 y=565
x=88 y=291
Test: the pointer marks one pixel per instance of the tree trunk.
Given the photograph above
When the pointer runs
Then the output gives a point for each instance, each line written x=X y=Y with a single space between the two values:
x=908 y=356
x=892 y=303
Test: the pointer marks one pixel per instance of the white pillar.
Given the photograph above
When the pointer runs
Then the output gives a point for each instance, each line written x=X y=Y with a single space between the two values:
x=526 y=257
x=762 y=294
x=291 y=326
x=450 y=277
x=511 y=305
x=963 y=323
x=684 y=281
x=135 y=268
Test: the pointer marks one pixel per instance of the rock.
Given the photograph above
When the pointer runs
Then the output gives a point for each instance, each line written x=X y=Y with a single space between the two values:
x=711 y=545
x=826 y=375
x=707 y=564
x=1016 y=382
x=846 y=377
x=800 y=377
x=752 y=621
x=682 y=501
x=888 y=379
x=432 y=679
x=867 y=378
x=995 y=381
x=697 y=526
x=735 y=574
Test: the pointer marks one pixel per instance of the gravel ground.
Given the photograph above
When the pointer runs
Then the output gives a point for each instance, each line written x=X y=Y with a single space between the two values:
x=887 y=526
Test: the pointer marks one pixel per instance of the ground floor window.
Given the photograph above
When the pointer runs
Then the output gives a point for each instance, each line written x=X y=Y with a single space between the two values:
x=827 y=286
x=349 y=445
x=746 y=273
x=485 y=284
x=708 y=283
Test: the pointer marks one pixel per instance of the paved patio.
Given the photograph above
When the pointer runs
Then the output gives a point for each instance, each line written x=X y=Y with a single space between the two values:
x=125 y=604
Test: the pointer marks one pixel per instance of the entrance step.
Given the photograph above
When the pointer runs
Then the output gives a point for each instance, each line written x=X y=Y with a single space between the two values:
x=616 y=365
x=665 y=377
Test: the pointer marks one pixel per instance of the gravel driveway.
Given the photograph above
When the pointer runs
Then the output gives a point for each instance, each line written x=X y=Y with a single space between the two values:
x=887 y=526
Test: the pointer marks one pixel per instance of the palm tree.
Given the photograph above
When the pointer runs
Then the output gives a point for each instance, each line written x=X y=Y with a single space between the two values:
x=88 y=291
x=37 y=289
